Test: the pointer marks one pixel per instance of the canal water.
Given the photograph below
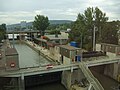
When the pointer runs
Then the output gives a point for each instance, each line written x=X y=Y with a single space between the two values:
x=50 y=86
x=29 y=58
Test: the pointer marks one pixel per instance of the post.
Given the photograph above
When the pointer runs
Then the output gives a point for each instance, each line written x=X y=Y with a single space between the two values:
x=94 y=38
x=21 y=82
x=90 y=86
x=81 y=46
x=13 y=40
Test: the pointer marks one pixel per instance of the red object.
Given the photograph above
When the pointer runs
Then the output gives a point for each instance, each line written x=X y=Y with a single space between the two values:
x=49 y=66
x=12 y=65
x=43 y=37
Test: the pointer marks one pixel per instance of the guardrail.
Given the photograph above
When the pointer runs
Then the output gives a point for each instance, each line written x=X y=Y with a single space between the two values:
x=102 y=61
x=38 y=70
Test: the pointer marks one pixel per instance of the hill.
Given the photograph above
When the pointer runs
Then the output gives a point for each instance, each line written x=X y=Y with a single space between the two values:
x=29 y=24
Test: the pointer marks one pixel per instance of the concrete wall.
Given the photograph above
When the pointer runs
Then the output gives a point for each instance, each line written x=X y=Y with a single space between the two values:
x=69 y=78
x=77 y=75
x=54 y=52
x=98 y=47
x=2 y=64
x=66 y=60
x=112 y=70
x=66 y=79
x=12 y=60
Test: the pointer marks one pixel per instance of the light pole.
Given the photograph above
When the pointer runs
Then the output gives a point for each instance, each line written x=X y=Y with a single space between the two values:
x=81 y=46
x=13 y=40
x=94 y=30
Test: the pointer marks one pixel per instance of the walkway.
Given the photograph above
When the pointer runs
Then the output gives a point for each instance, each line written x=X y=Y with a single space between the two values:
x=92 y=80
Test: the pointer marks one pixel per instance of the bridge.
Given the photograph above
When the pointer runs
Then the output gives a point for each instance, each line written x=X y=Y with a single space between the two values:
x=38 y=70
x=102 y=61
x=17 y=32
x=41 y=70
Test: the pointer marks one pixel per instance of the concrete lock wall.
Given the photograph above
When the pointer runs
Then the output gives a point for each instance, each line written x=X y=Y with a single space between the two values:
x=98 y=47
x=77 y=75
x=66 y=79
x=66 y=60
x=12 y=59
x=69 y=78
x=112 y=70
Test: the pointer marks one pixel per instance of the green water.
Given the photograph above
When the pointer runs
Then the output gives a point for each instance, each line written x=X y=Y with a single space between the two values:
x=28 y=57
x=51 y=86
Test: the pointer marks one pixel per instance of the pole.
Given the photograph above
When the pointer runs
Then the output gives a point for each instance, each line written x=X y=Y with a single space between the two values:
x=81 y=40
x=21 y=82
x=13 y=40
x=81 y=46
x=94 y=38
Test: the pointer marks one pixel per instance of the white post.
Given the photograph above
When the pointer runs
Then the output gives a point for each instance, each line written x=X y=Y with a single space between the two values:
x=89 y=88
x=13 y=40
x=21 y=82
x=81 y=48
x=94 y=38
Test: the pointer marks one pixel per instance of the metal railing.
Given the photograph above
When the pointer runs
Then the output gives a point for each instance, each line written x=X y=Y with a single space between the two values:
x=95 y=83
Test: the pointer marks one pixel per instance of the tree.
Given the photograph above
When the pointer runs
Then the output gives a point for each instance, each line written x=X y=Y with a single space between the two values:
x=2 y=31
x=100 y=20
x=41 y=23
x=84 y=25
x=111 y=32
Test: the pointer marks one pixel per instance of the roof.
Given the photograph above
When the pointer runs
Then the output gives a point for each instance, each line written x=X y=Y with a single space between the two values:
x=52 y=44
x=69 y=47
x=52 y=37
x=40 y=39
x=10 y=51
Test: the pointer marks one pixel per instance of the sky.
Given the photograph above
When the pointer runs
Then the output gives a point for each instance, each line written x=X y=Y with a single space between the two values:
x=15 y=11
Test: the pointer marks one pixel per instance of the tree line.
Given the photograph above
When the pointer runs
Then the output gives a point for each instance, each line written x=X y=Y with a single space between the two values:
x=2 y=31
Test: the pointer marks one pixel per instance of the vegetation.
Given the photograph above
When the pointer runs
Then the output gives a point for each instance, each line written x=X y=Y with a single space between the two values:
x=56 y=28
x=110 y=32
x=41 y=23
x=2 y=31
x=54 y=32
x=82 y=28
x=59 y=26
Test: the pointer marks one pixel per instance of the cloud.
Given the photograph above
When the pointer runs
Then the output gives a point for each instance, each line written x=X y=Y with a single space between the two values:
x=70 y=12
x=15 y=17
x=12 y=11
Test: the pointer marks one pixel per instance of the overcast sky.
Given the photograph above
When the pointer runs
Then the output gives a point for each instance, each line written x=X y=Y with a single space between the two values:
x=14 y=11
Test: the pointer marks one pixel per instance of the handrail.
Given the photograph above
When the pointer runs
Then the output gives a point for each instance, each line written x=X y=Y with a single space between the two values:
x=90 y=77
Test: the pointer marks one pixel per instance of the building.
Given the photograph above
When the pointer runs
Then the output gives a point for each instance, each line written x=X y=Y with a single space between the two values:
x=59 y=39
x=23 y=24
x=69 y=54
x=110 y=49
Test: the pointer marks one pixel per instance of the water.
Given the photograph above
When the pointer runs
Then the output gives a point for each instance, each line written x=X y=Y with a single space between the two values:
x=28 y=57
x=51 y=86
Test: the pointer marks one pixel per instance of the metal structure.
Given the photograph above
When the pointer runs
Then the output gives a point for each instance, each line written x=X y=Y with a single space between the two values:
x=92 y=80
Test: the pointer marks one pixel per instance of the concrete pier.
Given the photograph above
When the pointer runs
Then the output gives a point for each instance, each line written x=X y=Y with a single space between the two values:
x=21 y=82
